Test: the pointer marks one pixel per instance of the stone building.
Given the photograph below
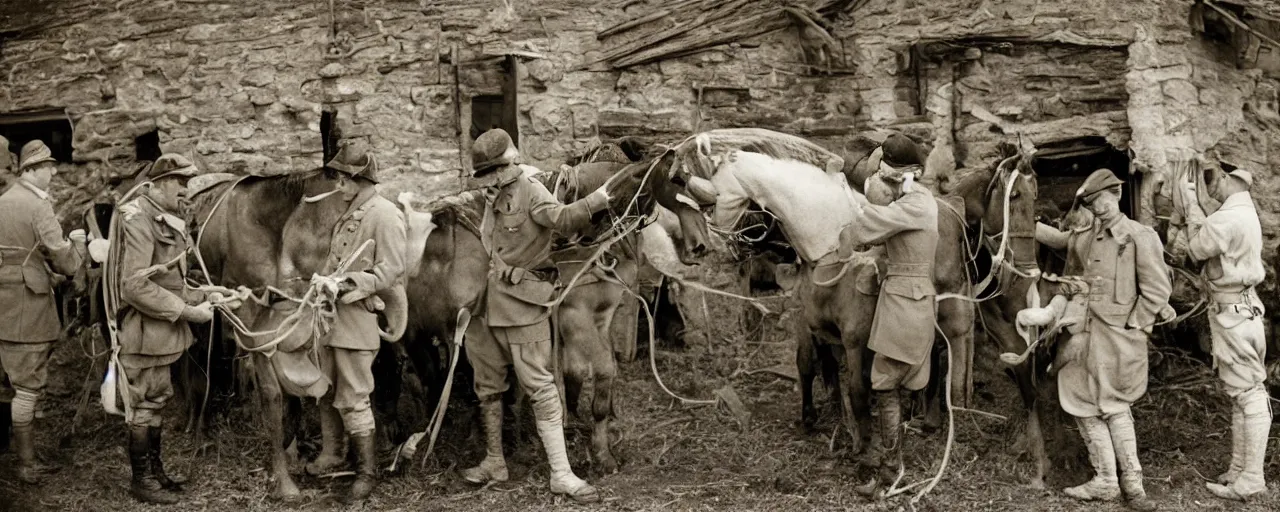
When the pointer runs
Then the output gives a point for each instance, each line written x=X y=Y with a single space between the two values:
x=253 y=86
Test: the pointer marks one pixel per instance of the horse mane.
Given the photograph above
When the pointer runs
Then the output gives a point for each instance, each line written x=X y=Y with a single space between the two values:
x=468 y=215
x=782 y=146
x=276 y=196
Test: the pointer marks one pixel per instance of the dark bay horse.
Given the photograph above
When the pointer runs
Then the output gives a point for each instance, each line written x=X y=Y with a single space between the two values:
x=1000 y=207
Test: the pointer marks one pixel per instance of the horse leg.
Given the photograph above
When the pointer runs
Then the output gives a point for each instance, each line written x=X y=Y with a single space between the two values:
x=806 y=360
x=605 y=374
x=388 y=382
x=273 y=413
x=934 y=391
x=858 y=416
x=1023 y=375
x=578 y=337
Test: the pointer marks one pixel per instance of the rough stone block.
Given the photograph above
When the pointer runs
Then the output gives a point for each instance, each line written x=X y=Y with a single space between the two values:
x=1180 y=92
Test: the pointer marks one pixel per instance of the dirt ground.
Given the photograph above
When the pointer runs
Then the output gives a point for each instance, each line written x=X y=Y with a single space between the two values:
x=673 y=457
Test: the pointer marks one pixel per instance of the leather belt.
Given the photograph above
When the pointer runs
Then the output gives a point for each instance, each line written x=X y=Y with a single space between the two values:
x=910 y=270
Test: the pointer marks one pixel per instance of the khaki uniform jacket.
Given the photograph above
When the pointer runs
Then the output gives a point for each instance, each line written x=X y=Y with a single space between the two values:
x=1230 y=244
x=1129 y=291
x=31 y=241
x=903 y=326
x=151 y=307
x=371 y=217
x=519 y=225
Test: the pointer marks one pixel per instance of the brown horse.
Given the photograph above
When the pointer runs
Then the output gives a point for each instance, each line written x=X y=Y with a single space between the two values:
x=1000 y=206
x=584 y=319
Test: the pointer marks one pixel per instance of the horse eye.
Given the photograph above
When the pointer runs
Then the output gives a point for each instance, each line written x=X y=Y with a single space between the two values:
x=678 y=180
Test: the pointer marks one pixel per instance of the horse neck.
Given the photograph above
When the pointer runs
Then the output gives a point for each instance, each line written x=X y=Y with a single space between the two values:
x=812 y=205
x=307 y=234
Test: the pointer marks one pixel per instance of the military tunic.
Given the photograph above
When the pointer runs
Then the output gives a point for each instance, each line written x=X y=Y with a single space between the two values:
x=1129 y=291
x=520 y=222
x=1230 y=242
x=350 y=347
x=30 y=242
x=152 y=333
x=902 y=330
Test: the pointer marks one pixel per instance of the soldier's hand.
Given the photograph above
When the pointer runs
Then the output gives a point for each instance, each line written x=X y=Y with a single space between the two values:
x=199 y=314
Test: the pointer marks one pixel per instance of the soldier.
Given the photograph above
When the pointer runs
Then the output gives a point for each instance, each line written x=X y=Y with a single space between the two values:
x=520 y=219
x=1230 y=242
x=906 y=223
x=30 y=237
x=1105 y=370
x=348 y=350
x=6 y=168
x=150 y=246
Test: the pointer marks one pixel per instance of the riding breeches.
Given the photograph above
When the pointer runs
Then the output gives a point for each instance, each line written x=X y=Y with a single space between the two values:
x=1239 y=348
x=526 y=349
x=150 y=386
x=888 y=374
x=351 y=372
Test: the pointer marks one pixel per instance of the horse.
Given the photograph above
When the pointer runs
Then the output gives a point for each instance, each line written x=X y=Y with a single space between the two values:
x=1000 y=207
x=585 y=318
x=807 y=188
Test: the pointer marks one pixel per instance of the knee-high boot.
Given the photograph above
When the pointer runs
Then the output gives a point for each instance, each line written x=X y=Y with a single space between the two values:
x=145 y=487
x=1255 y=427
x=550 y=416
x=170 y=482
x=1102 y=456
x=889 y=405
x=367 y=468
x=494 y=466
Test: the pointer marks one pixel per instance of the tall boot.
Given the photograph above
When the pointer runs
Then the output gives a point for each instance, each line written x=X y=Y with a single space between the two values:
x=367 y=470
x=1126 y=446
x=494 y=467
x=1237 y=445
x=170 y=482
x=1256 y=424
x=550 y=416
x=145 y=487
x=5 y=420
x=332 y=435
x=30 y=470
x=1102 y=455
x=889 y=406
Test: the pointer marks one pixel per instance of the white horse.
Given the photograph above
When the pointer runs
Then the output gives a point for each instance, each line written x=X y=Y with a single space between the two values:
x=803 y=186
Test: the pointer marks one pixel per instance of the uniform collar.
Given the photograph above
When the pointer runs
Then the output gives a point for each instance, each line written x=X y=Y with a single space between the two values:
x=359 y=200
x=1241 y=198
x=34 y=189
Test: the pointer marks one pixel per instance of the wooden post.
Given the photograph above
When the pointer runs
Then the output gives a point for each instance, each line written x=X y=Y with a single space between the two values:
x=510 y=110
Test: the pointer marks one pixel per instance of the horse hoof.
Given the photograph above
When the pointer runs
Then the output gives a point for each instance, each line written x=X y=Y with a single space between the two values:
x=286 y=492
x=607 y=464
x=1037 y=484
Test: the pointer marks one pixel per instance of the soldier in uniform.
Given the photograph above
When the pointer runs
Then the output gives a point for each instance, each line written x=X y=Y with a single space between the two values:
x=1105 y=371
x=520 y=218
x=1230 y=242
x=348 y=350
x=907 y=226
x=6 y=168
x=150 y=245
x=30 y=242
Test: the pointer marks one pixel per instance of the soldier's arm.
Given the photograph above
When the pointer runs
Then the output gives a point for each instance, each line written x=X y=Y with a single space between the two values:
x=1154 y=286
x=139 y=290
x=876 y=223
x=1207 y=237
x=1050 y=236
x=562 y=218
x=62 y=255
x=391 y=239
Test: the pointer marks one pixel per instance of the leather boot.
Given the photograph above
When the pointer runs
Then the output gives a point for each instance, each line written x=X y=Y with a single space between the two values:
x=367 y=470
x=145 y=487
x=332 y=436
x=889 y=423
x=1126 y=447
x=551 y=430
x=1102 y=456
x=1256 y=423
x=1237 y=445
x=6 y=417
x=170 y=482
x=494 y=467
x=30 y=470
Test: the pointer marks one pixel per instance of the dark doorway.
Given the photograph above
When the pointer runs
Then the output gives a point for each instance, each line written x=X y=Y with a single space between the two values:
x=51 y=126
x=147 y=146
x=1063 y=166
x=329 y=134
x=491 y=111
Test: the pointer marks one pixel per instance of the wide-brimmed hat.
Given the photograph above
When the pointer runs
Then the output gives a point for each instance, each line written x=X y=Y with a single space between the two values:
x=34 y=153
x=172 y=165
x=492 y=149
x=353 y=160
x=1242 y=175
